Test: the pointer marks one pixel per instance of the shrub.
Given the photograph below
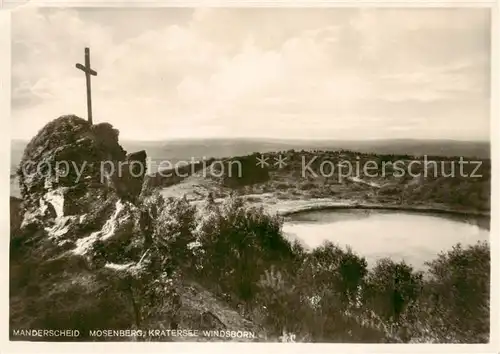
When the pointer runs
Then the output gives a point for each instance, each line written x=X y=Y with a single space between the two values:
x=238 y=243
x=456 y=302
x=327 y=283
x=173 y=228
x=392 y=287
x=244 y=170
x=331 y=269
x=276 y=296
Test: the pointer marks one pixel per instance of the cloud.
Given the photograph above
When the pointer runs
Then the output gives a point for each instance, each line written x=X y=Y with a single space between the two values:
x=336 y=73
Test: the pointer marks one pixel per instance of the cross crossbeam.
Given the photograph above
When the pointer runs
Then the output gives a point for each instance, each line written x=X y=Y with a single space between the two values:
x=88 y=72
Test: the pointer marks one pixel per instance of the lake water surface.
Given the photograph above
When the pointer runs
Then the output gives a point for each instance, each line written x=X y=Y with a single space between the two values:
x=374 y=234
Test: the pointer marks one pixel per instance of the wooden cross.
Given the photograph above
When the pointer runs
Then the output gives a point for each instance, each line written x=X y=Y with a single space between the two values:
x=88 y=71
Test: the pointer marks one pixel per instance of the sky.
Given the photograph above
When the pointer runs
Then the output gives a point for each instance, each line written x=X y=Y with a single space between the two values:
x=341 y=73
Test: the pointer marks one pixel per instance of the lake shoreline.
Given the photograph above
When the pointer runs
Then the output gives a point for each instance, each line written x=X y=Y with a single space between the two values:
x=410 y=233
x=332 y=205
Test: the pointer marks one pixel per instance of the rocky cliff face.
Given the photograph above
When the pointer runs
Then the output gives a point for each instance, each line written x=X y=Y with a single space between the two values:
x=79 y=243
x=78 y=220
x=73 y=191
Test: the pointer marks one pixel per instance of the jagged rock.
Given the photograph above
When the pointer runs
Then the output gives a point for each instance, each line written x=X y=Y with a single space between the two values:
x=80 y=238
x=203 y=311
x=209 y=321
x=69 y=201
x=71 y=214
x=66 y=152
x=138 y=156
x=69 y=169
x=130 y=178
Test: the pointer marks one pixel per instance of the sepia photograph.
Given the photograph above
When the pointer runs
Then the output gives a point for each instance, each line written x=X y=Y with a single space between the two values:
x=250 y=174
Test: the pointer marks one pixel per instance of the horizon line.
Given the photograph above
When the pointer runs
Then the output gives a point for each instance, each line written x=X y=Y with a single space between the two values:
x=257 y=138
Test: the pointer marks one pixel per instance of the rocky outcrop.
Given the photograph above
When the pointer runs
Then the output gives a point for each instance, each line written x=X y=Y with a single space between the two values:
x=79 y=241
x=77 y=214
x=67 y=152
x=131 y=175
x=70 y=183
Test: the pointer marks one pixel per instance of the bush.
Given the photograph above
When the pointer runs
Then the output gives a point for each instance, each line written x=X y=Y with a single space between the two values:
x=172 y=232
x=238 y=244
x=244 y=170
x=456 y=302
x=276 y=296
x=330 y=280
x=328 y=294
x=392 y=287
x=330 y=266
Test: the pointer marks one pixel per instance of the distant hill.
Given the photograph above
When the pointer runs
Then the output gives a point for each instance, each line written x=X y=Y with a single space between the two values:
x=233 y=147
x=185 y=149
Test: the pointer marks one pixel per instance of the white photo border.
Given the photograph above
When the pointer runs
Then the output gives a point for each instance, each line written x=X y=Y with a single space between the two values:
x=6 y=346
